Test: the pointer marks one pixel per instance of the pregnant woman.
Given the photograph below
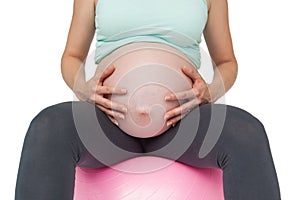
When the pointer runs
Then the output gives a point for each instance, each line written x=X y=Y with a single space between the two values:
x=145 y=91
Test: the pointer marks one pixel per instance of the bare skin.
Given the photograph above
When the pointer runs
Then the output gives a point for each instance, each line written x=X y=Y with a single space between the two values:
x=217 y=37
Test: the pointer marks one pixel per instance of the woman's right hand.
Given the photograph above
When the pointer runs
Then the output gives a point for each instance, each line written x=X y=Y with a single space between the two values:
x=93 y=91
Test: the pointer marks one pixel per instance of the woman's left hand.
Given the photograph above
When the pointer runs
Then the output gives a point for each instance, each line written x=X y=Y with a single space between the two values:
x=199 y=94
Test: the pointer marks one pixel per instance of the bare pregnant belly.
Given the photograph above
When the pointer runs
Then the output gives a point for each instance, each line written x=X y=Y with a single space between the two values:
x=148 y=71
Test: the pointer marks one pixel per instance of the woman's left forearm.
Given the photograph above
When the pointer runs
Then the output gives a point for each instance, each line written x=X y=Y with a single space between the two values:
x=225 y=75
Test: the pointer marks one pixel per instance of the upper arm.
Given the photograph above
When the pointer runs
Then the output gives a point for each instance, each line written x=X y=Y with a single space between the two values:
x=81 y=30
x=217 y=33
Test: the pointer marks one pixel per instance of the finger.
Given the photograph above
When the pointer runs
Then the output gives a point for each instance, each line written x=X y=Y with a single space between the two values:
x=187 y=94
x=184 y=108
x=113 y=120
x=205 y=101
x=192 y=73
x=98 y=99
x=174 y=120
x=112 y=113
x=107 y=72
x=110 y=90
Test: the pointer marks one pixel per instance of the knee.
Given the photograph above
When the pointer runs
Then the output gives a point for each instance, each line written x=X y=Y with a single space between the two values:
x=243 y=130
x=238 y=115
x=49 y=122
x=52 y=114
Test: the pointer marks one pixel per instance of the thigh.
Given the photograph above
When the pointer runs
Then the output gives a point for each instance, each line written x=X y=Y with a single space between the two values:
x=77 y=125
x=103 y=142
x=186 y=138
x=223 y=132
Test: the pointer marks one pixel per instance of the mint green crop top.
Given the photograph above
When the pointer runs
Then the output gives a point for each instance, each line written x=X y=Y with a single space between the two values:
x=178 y=23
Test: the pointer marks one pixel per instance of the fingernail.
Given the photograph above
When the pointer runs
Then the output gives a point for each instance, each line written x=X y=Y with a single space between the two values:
x=124 y=90
x=124 y=109
x=167 y=97
x=169 y=123
x=116 y=123
x=122 y=116
x=166 y=117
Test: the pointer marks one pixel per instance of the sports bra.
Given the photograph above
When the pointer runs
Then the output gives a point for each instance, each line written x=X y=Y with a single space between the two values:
x=178 y=23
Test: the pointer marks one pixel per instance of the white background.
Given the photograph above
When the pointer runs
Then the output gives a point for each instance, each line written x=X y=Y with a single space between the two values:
x=266 y=42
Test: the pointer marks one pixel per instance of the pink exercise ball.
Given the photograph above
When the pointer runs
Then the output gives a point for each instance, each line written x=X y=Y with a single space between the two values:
x=151 y=178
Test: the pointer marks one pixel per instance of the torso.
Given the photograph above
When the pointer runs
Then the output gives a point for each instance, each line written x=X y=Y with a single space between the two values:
x=146 y=83
x=148 y=73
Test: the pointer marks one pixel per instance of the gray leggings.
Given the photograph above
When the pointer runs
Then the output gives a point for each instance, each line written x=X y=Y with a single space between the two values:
x=52 y=149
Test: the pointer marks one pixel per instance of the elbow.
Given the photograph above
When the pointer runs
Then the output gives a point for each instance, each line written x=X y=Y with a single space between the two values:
x=63 y=59
x=235 y=67
x=62 y=63
x=229 y=67
x=230 y=63
x=69 y=58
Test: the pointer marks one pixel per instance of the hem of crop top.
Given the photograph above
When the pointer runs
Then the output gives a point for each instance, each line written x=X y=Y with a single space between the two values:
x=97 y=59
x=136 y=46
